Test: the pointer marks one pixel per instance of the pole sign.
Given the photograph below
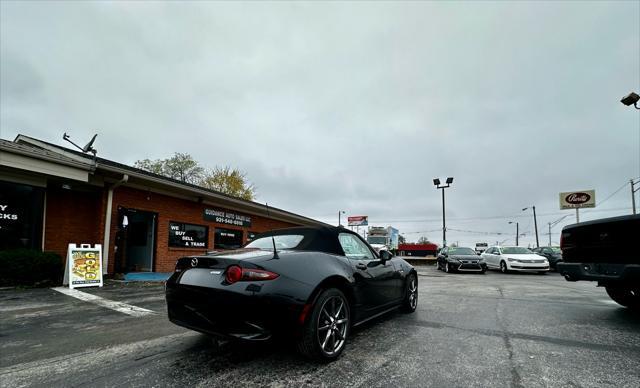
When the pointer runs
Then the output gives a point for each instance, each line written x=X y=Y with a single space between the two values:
x=358 y=220
x=578 y=199
x=84 y=266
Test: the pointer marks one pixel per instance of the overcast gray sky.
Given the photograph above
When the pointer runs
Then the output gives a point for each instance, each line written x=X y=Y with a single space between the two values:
x=354 y=106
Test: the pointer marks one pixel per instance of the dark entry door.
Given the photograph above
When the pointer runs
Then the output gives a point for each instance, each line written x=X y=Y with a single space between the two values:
x=137 y=240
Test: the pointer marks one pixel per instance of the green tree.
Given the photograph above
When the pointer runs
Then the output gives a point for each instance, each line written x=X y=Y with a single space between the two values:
x=230 y=181
x=182 y=167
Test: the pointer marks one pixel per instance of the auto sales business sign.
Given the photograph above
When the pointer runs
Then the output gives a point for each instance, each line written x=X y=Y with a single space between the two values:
x=578 y=199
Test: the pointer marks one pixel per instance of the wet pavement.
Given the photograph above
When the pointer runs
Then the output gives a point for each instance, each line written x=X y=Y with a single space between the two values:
x=470 y=330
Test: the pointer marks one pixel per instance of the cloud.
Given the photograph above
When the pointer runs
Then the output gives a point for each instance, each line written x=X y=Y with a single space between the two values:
x=345 y=106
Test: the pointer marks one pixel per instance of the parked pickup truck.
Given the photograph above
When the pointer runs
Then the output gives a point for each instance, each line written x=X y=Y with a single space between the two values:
x=605 y=251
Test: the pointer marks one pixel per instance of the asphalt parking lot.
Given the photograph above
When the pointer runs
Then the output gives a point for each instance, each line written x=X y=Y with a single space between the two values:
x=493 y=330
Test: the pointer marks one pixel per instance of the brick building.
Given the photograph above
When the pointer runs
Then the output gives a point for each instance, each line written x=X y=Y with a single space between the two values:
x=51 y=196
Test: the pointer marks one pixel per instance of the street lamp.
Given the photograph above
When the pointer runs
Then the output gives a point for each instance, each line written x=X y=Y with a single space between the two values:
x=535 y=224
x=517 y=230
x=631 y=99
x=340 y=212
x=436 y=182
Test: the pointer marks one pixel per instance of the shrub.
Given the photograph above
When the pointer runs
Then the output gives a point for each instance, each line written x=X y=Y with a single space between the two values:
x=25 y=267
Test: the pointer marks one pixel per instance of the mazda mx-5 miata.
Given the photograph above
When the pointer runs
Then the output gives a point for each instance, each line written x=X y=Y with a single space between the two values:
x=312 y=284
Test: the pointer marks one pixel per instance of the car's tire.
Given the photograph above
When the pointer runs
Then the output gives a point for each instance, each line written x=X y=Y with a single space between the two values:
x=542 y=272
x=625 y=296
x=447 y=267
x=503 y=267
x=483 y=271
x=410 y=302
x=326 y=317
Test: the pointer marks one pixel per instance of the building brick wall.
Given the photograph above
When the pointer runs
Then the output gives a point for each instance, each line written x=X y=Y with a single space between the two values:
x=179 y=210
x=72 y=217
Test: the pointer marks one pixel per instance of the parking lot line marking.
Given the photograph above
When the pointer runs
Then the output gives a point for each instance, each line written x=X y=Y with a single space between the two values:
x=110 y=304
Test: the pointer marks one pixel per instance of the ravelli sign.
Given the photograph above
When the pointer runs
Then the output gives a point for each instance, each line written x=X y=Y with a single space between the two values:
x=578 y=199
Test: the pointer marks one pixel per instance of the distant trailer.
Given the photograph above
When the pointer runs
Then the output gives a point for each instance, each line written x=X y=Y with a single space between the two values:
x=419 y=250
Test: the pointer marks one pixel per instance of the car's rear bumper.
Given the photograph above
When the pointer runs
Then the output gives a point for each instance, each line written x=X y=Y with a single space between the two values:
x=601 y=272
x=231 y=314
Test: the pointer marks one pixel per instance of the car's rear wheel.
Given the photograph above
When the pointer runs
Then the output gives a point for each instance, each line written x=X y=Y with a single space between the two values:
x=447 y=267
x=503 y=267
x=325 y=331
x=625 y=296
x=410 y=302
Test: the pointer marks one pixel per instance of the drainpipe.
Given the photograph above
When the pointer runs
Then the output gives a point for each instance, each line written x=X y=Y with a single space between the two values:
x=107 y=224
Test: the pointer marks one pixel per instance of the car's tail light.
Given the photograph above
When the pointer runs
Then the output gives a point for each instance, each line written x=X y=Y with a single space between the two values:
x=237 y=274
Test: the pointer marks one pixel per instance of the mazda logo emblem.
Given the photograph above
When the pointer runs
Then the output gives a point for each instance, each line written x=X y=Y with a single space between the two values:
x=194 y=262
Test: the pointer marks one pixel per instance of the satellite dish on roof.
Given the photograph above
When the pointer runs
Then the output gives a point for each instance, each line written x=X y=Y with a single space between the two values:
x=86 y=148
x=89 y=145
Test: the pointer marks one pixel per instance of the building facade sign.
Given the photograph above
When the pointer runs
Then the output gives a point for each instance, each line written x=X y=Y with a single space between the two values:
x=183 y=235
x=221 y=216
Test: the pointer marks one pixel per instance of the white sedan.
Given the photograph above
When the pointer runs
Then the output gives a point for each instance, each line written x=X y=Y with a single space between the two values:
x=515 y=259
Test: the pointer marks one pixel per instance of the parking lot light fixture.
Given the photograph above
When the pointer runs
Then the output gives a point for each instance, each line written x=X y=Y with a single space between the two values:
x=631 y=99
x=436 y=182
x=535 y=224
x=340 y=212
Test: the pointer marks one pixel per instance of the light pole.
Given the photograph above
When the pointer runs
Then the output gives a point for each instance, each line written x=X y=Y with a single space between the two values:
x=517 y=230
x=340 y=212
x=535 y=224
x=436 y=183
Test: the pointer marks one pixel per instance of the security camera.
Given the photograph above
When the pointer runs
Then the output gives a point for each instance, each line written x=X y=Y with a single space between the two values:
x=631 y=99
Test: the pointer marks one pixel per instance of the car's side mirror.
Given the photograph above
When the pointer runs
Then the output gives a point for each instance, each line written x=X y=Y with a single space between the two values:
x=385 y=255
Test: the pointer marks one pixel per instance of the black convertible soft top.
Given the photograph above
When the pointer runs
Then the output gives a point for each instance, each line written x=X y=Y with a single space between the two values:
x=316 y=238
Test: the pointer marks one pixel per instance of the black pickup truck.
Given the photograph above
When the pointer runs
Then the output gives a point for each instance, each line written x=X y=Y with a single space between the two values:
x=605 y=251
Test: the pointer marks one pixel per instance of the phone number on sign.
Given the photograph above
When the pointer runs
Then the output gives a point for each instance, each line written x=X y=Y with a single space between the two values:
x=229 y=221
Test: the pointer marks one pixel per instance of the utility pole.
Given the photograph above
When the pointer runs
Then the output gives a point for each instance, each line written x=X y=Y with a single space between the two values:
x=517 y=230
x=633 y=194
x=339 y=213
x=535 y=224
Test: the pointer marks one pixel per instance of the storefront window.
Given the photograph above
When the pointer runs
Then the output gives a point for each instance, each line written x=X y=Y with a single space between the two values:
x=251 y=236
x=188 y=235
x=227 y=239
x=21 y=208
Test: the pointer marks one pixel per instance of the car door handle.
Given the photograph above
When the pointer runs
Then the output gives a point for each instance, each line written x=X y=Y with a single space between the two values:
x=361 y=266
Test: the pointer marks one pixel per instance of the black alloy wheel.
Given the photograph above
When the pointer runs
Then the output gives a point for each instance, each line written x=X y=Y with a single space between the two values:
x=503 y=267
x=326 y=330
x=410 y=302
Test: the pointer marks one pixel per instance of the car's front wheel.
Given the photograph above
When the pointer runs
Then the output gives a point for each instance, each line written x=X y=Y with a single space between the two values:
x=326 y=330
x=503 y=267
x=625 y=296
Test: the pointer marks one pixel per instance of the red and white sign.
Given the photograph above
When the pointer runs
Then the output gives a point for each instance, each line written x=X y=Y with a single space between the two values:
x=578 y=199
x=358 y=220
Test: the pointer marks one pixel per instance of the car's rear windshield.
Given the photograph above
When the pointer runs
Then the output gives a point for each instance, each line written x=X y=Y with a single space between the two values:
x=461 y=251
x=515 y=250
x=284 y=241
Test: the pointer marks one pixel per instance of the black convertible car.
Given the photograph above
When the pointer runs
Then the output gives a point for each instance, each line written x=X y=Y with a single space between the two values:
x=315 y=285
